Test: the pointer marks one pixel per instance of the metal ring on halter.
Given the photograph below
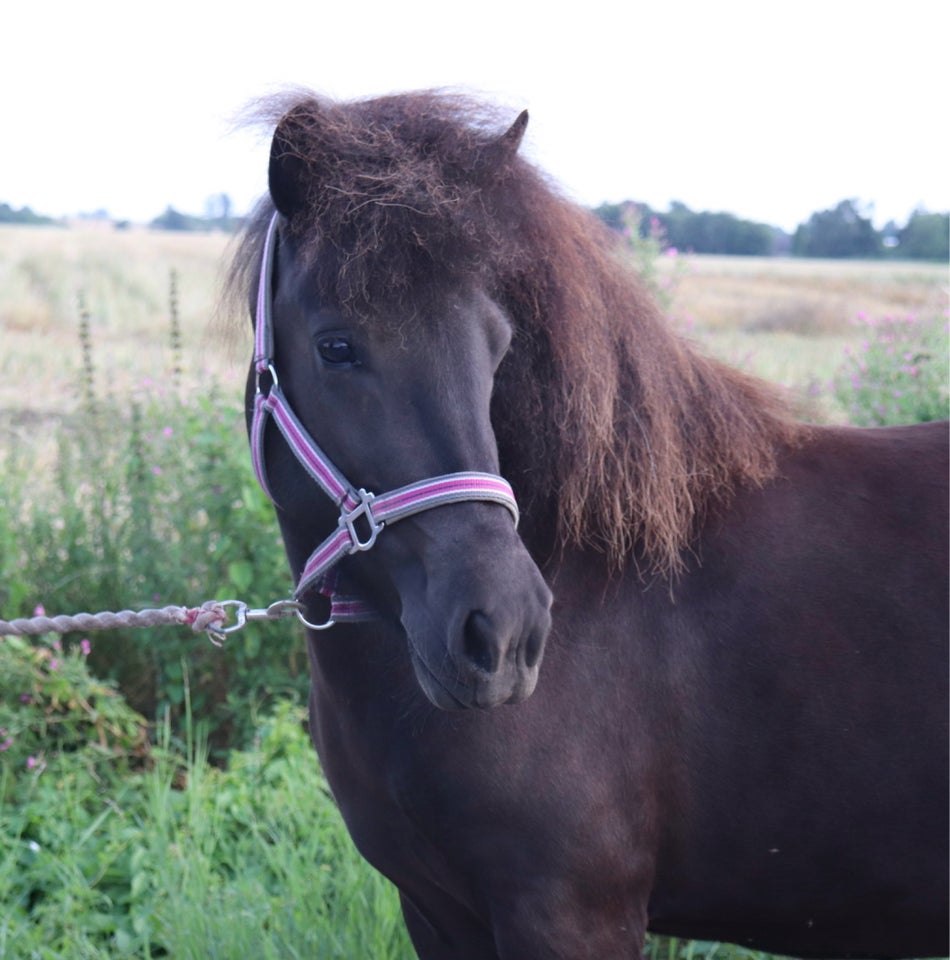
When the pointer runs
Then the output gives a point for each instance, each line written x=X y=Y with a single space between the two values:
x=287 y=608
x=269 y=369
x=298 y=612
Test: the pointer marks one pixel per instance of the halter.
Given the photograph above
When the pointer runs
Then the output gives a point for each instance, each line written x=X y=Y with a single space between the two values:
x=363 y=515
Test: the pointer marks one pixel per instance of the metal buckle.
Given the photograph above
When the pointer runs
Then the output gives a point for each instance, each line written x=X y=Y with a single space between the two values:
x=349 y=518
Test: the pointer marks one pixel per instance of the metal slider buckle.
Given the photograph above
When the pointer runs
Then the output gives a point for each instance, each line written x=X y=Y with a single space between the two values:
x=362 y=511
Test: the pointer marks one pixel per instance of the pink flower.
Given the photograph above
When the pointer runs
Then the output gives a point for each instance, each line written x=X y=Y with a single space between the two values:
x=157 y=471
x=167 y=431
x=85 y=646
x=39 y=610
x=53 y=664
x=6 y=744
x=31 y=763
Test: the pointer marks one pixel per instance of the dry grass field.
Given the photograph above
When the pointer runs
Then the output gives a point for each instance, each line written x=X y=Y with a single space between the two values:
x=788 y=320
x=124 y=280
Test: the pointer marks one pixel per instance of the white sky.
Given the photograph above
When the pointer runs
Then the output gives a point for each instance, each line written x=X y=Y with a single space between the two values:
x=768 y=109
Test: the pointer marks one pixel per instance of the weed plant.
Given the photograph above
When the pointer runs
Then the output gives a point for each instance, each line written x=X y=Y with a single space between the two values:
x=899 y=374
x=150 y=500
x=52 y=704
x=153 y=502
x=646 y=243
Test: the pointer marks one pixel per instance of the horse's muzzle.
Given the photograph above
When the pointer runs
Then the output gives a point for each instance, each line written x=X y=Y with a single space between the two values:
x=477 y=636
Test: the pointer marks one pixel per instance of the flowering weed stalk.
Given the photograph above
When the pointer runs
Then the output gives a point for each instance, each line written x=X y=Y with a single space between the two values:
x=648 y=245
x=899 y=373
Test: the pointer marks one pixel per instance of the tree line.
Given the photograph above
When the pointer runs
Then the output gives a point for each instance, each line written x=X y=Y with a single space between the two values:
x=841 y=232
x=844 y=231
x=24 y=215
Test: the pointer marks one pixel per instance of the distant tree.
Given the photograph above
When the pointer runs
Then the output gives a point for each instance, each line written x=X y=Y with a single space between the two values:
x=686 y=229
x=708 y=232
x=839 y=233
x=616 y=215
x=172 y=219
x=23 y=215
x=926 y=237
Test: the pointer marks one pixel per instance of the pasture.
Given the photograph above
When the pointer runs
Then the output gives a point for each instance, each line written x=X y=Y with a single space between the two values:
x=101 y=881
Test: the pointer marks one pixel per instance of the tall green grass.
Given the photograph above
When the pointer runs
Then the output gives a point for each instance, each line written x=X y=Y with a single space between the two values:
x=187 y=860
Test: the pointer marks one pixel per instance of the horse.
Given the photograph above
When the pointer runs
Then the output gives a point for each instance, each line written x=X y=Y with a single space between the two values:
x=657 y=653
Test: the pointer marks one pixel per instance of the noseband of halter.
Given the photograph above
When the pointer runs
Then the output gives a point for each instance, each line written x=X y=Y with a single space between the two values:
x=363 y=515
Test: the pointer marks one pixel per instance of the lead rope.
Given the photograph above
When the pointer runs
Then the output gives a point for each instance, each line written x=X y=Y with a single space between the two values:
x=211 y=618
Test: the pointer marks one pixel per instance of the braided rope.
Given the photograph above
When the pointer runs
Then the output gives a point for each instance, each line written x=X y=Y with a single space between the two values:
x=209 y=615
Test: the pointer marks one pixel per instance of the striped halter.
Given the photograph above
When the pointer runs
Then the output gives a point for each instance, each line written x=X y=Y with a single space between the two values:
x=363 y=515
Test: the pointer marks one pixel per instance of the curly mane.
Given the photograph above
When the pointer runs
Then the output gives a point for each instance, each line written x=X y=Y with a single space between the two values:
x=606 y=419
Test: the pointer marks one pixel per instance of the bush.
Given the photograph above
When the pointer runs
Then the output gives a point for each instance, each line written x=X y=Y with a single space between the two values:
x=152 y=502
x=898 y=375
x=50 y=704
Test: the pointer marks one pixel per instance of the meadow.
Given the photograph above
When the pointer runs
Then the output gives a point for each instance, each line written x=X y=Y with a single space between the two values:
x=158 y=796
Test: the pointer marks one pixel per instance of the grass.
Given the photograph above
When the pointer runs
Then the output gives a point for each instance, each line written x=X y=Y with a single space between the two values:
x=808 y=298
x=187 y=860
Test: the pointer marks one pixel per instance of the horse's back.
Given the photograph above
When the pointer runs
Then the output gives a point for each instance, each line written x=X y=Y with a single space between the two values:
x=813 y=794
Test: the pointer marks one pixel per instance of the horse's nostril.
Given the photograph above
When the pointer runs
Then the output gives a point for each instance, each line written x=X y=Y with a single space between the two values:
x=480 y=644
x=533 y=649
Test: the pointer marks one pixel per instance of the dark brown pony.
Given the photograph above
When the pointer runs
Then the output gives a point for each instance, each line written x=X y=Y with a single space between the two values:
x=739 y=727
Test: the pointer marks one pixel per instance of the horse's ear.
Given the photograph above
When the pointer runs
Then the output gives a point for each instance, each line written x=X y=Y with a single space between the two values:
x=287 y=170
x=499 y=153
x=512 y=137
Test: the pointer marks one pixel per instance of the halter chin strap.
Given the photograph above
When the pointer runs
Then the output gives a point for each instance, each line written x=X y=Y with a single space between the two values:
x=363 y=515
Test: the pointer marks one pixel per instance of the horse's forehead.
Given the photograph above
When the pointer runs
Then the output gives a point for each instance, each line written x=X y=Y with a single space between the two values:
x=431 y=306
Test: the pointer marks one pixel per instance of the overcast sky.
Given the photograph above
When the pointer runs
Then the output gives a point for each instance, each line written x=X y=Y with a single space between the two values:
x=769 y=110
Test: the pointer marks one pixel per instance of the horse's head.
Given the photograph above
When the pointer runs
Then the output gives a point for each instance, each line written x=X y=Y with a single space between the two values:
x=396 y=389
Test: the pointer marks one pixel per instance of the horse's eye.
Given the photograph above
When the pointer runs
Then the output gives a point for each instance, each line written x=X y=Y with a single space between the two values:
x=336 y=350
